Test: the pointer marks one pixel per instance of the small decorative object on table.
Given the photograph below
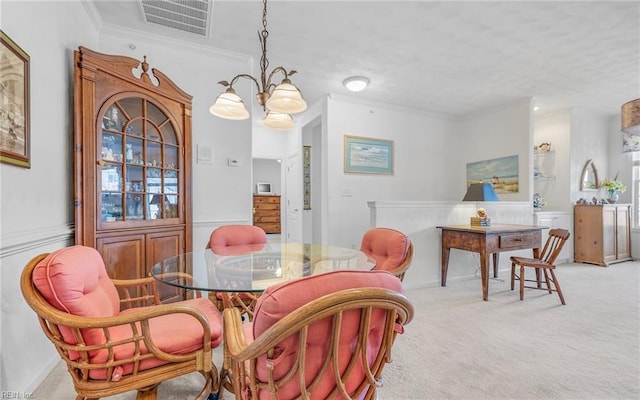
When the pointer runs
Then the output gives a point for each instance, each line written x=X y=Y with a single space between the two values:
x=613 y=187
x=482 y=219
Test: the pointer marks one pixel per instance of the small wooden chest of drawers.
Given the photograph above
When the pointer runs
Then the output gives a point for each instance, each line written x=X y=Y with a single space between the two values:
x=266 y=212
x=602 y=233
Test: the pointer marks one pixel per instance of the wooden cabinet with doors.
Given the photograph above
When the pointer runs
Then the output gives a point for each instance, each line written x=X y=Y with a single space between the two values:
x=602 y=233
x=132 y=164
x=266 y=212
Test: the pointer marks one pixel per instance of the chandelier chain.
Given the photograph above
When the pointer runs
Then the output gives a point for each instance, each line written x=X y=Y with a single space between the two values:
x=264 y=16
x=264 y=62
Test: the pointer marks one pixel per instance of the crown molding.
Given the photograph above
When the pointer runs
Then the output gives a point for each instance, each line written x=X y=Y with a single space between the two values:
x=92 y=12
x=127 y=33
x=390 y=106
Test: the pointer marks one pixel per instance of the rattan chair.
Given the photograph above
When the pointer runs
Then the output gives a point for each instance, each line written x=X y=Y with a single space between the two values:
x=236 y=240
x=335 y=330
x=545 y=265
x=109 y=344
x=390 y=249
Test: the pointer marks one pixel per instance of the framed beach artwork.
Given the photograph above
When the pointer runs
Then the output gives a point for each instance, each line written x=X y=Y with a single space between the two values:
x=14 y=103
x=368 y=155
x=501 y=172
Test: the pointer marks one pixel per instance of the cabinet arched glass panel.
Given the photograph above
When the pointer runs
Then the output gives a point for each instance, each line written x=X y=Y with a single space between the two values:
x=139 y=162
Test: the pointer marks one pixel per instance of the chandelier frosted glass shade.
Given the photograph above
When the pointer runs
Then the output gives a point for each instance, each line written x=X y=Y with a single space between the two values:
x=286 y=98
x=278 y=121
x=631 y=117
x=229 y=105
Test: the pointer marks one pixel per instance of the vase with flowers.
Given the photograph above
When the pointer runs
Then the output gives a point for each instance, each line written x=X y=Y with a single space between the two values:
x=613 y=188
x=538 y=202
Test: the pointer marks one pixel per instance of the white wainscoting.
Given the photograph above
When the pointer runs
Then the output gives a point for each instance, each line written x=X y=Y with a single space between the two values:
x=26 y=355
x=557 y=219
x=418 y=219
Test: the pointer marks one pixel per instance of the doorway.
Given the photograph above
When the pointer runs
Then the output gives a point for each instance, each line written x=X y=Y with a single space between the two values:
x=268 y=173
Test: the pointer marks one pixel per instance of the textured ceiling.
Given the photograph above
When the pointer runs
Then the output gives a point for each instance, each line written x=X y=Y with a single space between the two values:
x=448 y=57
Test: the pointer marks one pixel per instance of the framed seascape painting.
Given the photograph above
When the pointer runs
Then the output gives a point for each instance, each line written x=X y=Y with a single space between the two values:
x=14 y=103
x=501 y=172
x=368 y=155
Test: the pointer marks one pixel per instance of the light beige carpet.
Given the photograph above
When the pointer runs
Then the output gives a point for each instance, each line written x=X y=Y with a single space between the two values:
x=459 y=347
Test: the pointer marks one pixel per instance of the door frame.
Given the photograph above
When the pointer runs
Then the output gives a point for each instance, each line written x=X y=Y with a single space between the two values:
x=283 y=189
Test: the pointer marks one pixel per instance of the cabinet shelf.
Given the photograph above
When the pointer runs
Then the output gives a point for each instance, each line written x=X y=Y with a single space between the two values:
x=543 y=153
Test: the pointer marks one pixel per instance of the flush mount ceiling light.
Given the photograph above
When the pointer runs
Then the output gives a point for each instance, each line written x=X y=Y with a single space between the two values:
x=284 y=98
x=356 y=83
x=631 y=117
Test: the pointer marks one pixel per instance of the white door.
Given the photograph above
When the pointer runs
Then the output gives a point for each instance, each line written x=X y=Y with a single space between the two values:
x=293 y=177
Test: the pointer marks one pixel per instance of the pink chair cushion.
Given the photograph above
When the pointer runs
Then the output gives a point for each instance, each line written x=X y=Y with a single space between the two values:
x=237 y=249
x=235 y=235
x=387 y=247
x=74 y=280
x=280 y=300
x=172 y=333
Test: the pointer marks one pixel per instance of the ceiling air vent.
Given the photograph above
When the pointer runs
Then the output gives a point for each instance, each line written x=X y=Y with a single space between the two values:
x=185 y=15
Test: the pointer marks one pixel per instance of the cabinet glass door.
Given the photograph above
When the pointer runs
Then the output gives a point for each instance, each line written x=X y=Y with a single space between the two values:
x=139 y=163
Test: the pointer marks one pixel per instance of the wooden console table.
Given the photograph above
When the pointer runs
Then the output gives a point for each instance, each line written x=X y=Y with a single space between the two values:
x=488 y=240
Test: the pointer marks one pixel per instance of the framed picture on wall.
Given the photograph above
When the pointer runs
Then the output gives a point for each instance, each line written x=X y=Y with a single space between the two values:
x=306 y=177
x=14 y=103
x=368 y=155
x=503 y=173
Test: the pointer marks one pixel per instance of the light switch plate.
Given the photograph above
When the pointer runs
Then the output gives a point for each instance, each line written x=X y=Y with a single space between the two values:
x=204 y=154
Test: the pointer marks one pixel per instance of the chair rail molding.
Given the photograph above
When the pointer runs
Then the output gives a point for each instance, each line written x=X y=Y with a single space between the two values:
x=23 y=241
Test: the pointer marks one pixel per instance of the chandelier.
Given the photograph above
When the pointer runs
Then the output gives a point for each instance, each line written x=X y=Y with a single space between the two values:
x=278 y=101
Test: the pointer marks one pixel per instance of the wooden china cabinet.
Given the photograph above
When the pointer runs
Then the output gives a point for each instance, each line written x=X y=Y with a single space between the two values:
x=132 y=163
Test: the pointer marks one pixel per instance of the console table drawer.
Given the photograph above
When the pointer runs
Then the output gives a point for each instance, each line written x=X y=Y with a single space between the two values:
x=518 y=240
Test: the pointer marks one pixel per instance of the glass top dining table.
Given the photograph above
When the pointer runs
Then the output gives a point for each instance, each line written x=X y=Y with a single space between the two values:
x=253 y=268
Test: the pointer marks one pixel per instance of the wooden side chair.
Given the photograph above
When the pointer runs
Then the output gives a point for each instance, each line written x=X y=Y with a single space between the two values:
x=235 y=240
x=544 y=265
x=325 y=336
x=390 y=249
x=109 y=345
